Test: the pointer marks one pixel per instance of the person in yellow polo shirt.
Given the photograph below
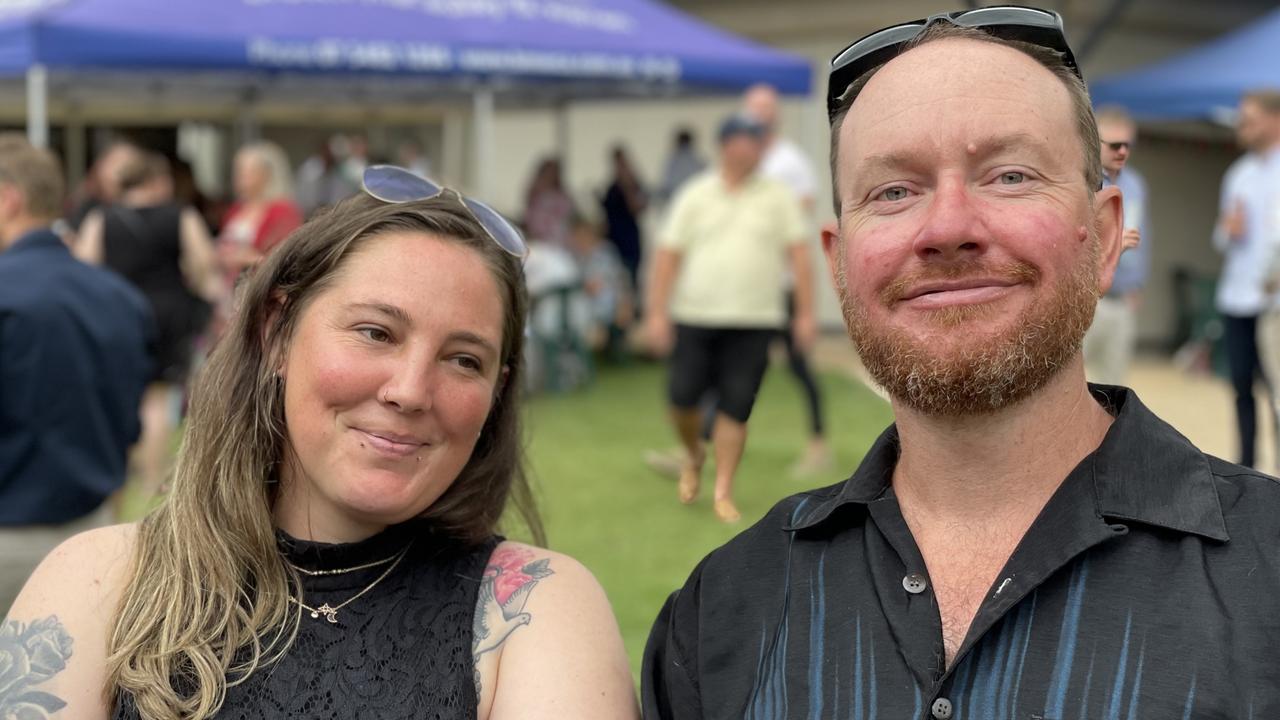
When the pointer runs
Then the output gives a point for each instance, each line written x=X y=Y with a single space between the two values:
x=716 y=299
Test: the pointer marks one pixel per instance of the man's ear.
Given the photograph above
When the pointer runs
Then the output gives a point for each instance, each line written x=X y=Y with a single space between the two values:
x=1108 y=224
x=831 y=246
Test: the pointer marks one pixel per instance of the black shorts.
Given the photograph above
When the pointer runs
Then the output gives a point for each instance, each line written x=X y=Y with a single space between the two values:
x=731 y=361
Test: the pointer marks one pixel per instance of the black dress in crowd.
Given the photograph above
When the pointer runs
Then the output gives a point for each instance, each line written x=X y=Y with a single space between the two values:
x=144 y=244
x=623 y=230
x=401 y=650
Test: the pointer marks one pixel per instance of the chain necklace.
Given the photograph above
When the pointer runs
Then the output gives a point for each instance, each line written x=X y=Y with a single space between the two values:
x=329 y=612
x=366 y=566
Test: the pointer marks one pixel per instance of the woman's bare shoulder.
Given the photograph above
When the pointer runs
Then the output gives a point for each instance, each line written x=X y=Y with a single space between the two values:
x=555 y=638
x=59 y=625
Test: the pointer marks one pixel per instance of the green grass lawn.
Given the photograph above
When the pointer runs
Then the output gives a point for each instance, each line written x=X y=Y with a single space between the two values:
x=604 y=507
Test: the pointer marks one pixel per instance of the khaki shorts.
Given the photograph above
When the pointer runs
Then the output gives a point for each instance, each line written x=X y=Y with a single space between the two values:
x=22 y=547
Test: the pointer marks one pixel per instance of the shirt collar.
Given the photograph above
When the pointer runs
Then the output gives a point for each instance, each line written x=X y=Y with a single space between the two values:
x=1144 y=471
x=38 y=238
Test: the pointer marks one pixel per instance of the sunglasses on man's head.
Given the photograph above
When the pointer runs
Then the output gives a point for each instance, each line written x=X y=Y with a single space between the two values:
x=1007 y=22
x=392 y=184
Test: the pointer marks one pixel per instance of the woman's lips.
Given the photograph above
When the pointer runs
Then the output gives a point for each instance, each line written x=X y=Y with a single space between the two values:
x=396 y=446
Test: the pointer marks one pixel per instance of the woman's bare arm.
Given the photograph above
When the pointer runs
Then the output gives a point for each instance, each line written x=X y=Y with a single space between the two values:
x=53 y=644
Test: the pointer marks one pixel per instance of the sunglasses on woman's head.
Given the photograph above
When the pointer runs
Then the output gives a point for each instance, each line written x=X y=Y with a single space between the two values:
x=1007 y=22
x=392 y=184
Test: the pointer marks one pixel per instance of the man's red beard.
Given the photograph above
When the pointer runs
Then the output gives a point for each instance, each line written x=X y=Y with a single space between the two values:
x=991 y=372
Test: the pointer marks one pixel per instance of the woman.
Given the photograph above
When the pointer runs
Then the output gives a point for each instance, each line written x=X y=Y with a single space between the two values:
x=623 y=202
x=548 y=209
x=328 y=548
x=164 y=250
x=264 y=213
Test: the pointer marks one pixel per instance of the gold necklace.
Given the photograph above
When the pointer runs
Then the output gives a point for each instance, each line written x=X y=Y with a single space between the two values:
x=366 y=566
x=330 y=613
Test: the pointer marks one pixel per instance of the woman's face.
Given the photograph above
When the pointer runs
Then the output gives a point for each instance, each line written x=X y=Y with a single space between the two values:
x=388 y=381
x=250 y=176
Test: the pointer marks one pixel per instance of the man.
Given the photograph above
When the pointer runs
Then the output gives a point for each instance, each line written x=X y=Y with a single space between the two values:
x=74 y=360
x=1018 y=544
x=718 y=277
x=1108 y=346
x=1246 y=234
x=785 y=162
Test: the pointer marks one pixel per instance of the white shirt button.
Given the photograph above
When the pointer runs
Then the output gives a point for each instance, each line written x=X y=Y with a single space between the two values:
x=915 y=583
x=942 y=709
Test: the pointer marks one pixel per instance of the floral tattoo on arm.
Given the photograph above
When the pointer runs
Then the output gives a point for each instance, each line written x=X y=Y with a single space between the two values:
x=510 y=577
x=30 y=655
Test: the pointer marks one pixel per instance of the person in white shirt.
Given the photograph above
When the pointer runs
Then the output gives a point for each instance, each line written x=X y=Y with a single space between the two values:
x=1246 y=234
x=786 y=162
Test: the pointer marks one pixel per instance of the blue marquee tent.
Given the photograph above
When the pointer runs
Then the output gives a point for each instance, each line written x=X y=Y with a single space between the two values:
x=628 y=42
x=1202 y=83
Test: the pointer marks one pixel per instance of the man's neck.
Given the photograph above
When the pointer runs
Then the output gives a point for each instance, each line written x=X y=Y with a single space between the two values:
x=18 y=227
x=970 y=470
x=733 y=179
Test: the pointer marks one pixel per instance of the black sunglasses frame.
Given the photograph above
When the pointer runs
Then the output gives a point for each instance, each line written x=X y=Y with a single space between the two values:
x=1118 y=146
x=1007 y=22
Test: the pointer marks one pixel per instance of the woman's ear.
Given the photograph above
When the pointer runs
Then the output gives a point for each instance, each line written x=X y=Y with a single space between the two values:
x=270 y=329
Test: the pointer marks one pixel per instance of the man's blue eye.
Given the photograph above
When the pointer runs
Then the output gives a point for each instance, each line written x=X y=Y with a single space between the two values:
x=1012 y=178
x=894 y=193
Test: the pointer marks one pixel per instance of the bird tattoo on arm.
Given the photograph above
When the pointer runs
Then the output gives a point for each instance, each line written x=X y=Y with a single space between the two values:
x=500 y=605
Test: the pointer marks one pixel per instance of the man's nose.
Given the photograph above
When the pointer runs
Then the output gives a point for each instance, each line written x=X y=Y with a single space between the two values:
x=952 y=227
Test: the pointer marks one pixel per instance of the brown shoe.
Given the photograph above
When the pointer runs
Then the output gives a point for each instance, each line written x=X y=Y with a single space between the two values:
x=727 y=511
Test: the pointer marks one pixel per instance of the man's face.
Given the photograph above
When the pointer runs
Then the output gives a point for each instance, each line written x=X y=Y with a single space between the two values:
x=741 y=152
x=965 y=261
x=1117 y=142
x=1255 y=127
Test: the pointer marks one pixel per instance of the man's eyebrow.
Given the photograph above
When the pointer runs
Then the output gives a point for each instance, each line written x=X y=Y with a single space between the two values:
x=391 y=311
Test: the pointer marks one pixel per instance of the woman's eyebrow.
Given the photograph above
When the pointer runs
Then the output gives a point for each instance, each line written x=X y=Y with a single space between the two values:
x=391 y=311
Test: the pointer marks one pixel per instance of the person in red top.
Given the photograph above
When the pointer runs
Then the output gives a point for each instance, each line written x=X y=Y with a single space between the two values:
x=264 y=212
x=263 y=215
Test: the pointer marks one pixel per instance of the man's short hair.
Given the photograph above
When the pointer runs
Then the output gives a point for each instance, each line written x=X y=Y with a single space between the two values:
x=1086 y=126
x=36 y=174
x=1113 y=114
x=1268 y=99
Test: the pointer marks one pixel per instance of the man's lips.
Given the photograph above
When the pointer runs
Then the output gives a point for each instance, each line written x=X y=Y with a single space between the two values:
x=969 y=287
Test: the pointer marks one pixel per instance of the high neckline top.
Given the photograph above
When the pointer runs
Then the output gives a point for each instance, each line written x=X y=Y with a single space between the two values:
x=401 y=650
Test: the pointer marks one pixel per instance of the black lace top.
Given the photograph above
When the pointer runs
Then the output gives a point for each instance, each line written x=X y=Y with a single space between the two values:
x=401 y=650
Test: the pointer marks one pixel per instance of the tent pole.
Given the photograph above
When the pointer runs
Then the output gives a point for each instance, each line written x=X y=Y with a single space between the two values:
x=38 y=106
x=482 y=141
x=562 y=133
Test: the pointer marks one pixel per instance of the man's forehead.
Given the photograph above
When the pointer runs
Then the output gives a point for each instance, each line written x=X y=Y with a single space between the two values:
x=961 y=87
x=957 y=66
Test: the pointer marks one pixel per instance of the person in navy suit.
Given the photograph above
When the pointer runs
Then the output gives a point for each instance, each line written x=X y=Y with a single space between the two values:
x=75 y=356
